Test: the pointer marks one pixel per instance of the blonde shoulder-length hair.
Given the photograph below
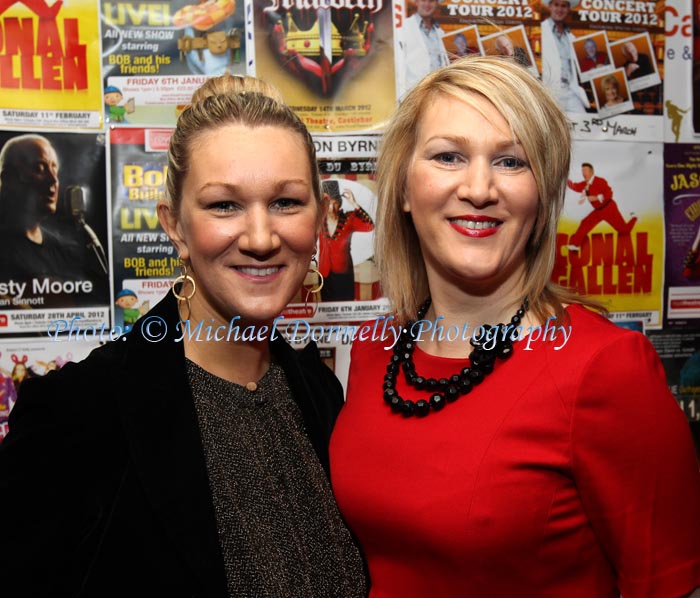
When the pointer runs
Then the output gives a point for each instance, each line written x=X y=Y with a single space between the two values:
x=542 y=129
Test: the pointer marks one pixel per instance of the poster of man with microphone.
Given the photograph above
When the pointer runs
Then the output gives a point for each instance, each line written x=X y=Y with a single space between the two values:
x=53 y=230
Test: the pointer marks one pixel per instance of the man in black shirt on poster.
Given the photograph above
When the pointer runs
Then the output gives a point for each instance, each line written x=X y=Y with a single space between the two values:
x=637 y=65
x=32 y=249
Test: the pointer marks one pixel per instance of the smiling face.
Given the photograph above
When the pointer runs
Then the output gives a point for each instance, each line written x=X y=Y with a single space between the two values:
x=247 y=223
x=426 y=8
x=472 y=197
x=559 y=10
x=612 y=93
x=590 y=48
x=126 y=302
x=333 y=208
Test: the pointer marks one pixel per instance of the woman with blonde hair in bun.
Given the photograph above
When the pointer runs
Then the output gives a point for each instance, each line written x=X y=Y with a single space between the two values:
x=189 y=458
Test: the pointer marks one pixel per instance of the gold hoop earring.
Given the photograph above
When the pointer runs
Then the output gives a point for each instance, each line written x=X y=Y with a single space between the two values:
x=313 y=269
x=185 y=279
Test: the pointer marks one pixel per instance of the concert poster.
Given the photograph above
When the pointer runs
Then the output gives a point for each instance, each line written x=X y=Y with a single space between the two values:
x=610 y=81
x=345 y=250
x=465 y=27
x=54 y=261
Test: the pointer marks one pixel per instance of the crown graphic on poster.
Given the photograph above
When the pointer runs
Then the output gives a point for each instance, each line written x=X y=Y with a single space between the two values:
x=308 y=42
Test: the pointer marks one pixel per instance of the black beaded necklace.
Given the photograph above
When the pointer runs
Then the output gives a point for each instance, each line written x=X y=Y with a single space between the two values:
x=444 y=390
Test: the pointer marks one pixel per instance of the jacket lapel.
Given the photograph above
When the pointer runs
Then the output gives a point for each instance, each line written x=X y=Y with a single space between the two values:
x=161 y=427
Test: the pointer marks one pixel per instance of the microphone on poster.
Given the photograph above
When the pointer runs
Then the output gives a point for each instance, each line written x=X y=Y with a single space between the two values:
x=76 y=201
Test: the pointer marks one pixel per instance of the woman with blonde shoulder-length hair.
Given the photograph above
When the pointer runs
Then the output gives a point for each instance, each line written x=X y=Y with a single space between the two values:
x=503 y=438
x=190 y=456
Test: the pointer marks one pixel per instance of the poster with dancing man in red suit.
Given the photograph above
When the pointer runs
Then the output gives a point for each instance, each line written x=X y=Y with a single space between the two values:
x=597 y=191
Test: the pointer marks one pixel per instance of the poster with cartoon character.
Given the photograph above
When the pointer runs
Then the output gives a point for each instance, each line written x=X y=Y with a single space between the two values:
x=155 y=54
x=144 y=260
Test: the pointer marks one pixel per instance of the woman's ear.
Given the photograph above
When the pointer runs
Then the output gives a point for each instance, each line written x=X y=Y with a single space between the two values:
x=171 y=225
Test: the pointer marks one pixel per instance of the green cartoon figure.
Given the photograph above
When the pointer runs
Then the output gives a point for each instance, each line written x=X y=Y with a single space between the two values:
x=127 y=299
x=113 y=111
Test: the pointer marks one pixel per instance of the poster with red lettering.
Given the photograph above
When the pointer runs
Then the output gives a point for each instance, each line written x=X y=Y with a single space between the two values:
x=679 y=59
x=610 y=241
x=144 y=260
x=53 y=230
x=50 y=64
x=155 y=54
x=682 y=210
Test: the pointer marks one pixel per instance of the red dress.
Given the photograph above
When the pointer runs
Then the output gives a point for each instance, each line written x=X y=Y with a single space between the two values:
x=565 y=474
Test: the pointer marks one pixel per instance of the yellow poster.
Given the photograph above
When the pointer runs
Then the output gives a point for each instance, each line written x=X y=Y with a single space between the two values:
x=50 y=64
x=334 y=63
x=610 y=241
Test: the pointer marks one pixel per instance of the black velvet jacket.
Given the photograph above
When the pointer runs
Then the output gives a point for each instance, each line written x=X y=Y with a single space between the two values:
x=103 y=482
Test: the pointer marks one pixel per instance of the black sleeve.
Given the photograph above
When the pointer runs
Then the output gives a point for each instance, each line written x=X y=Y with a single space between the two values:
x=48 y=472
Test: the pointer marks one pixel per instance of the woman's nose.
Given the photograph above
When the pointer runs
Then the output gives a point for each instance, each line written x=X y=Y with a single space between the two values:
x=260 y=236
x=478 y=185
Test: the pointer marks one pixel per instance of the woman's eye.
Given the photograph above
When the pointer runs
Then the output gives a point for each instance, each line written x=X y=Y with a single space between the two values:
x=447 y=158
x=223 y=206
x=511 y=162
x=286 y=203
